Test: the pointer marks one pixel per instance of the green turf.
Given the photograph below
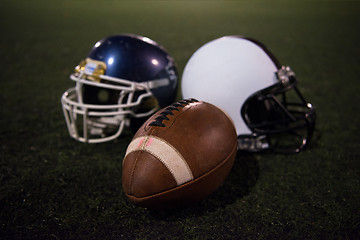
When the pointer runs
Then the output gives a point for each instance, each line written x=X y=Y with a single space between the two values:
x=52 y=187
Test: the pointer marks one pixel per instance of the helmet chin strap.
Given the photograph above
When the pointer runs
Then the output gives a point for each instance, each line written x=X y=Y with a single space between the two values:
x=103 y=125
x=253 y=143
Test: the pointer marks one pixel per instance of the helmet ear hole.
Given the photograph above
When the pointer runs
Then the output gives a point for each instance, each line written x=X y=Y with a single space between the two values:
x=103 y=95
x=149 y=103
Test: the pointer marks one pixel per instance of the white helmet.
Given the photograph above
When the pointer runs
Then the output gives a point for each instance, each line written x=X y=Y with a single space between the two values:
x=242 y=77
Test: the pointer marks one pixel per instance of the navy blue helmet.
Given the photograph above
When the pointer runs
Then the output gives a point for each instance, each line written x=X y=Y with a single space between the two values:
x=123 y=80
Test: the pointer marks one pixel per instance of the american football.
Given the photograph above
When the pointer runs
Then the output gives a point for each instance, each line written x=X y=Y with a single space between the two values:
x=179 y=156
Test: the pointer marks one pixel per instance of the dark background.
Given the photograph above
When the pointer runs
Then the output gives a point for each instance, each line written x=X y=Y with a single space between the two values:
x=52 y=187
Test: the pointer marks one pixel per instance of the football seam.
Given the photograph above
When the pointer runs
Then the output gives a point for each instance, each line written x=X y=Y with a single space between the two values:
x=141 y=199
x=132 y=173
x=142 y=147
x=170 y=170
x=134 y=167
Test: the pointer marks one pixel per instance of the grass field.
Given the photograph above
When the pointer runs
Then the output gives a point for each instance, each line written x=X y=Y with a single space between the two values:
x=52 y=187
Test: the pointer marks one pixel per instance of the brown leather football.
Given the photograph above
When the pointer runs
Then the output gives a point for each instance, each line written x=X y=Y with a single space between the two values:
x=179 y=156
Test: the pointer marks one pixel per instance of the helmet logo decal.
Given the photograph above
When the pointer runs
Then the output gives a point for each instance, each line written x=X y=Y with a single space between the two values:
x=93 y=69
x=170 y=69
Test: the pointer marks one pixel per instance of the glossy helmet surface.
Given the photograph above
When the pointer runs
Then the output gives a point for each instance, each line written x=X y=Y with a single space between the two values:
x=123 y=80
x=242 y=77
